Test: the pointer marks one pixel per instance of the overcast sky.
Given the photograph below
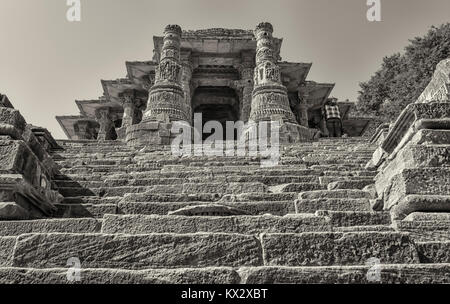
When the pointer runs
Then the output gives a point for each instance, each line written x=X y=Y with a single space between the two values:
x=47 y=62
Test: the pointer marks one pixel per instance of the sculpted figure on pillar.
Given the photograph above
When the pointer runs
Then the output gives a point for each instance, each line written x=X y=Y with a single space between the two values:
x=269 y=95
x=166 y=97
x=106 y=130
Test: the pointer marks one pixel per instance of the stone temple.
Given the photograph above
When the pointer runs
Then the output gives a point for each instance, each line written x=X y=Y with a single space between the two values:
x=114 y=197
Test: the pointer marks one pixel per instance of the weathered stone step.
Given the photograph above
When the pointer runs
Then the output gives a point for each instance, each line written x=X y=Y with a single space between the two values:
x=388 y=274
x=75 y=210
x=117 y=182
x=189 y=188
x=145 y=224
x=345 y=193
x=210 y=275
x=172 y=197
x=350 y=184
x=326 y=249
x=331 y=204
x=297 y=187
x=52 y=250
x=355 y=218
x=15 y=228
x=279 y=208
x=425 y=231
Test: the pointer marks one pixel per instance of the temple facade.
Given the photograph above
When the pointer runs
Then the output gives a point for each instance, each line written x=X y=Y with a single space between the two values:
x=224 y=74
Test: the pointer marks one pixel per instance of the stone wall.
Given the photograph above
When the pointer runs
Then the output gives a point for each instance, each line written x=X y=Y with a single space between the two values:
x=26 y=168
x=413 y=159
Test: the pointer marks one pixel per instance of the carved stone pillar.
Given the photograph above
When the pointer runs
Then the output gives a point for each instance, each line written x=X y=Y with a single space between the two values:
x=246 y=70
x=303 y=110
x=106 y=130
x=129 y=111
x=166 y=97
x=269 y=95
x=186 y=76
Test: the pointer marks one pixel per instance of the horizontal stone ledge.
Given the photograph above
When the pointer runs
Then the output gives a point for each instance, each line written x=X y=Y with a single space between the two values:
x=220 y=275
x=383 y=274
x=425 y=231
x=15 y=228
x=327 y=249
x=331 y=204
x=137 y=251
x=163 y=208
x=132 y=224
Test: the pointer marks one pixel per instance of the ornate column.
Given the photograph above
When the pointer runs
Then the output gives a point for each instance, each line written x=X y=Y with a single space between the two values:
x=269 y=95
x=303 y=109
x=186 y=76
x=106 y=123
x=129 y=110
x=166 y=97
x=246 y=71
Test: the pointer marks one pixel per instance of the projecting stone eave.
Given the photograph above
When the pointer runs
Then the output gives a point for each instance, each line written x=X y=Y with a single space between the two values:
x=67 y=123
x=88 y=107
x=317 y=93
x=141 y=73
x=114 y=90
x=294 y=74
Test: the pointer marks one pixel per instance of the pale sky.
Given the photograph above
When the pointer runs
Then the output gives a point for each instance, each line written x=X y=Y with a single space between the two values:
x=47 y=62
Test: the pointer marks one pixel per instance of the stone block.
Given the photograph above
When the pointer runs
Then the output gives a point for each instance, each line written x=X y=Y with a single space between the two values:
x=423 y=203
x=138 y=251
x=13 y=118
x=389 y=274
x=132 y=224
x=327 y=249
x=428 y=181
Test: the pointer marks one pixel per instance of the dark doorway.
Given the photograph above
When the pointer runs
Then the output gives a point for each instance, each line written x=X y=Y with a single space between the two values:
x=216 y=103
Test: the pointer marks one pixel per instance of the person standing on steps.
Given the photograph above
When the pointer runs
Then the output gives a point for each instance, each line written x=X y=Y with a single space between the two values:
x=332 y=117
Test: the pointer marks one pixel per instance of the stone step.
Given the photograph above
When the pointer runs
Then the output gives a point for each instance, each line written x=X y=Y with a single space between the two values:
x=188 y=188
x=342 y=193
x=331 y=204
x=327 y=249
x=425 y=231
x=384 y=274
x=146 y=224
x=117 y=182
x=52 y=250
x=356 y=218
x=278 y=208
x=210 y=275
x=84 y=210
x=143 y=251
x=15 y=228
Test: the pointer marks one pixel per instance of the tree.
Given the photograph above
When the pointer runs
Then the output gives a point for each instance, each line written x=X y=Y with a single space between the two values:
x=403 y=77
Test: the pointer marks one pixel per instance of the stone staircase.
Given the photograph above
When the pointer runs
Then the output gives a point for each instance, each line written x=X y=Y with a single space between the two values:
x=145 y=216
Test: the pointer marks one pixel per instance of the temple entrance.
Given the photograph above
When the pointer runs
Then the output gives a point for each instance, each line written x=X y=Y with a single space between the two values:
x=216 y=103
